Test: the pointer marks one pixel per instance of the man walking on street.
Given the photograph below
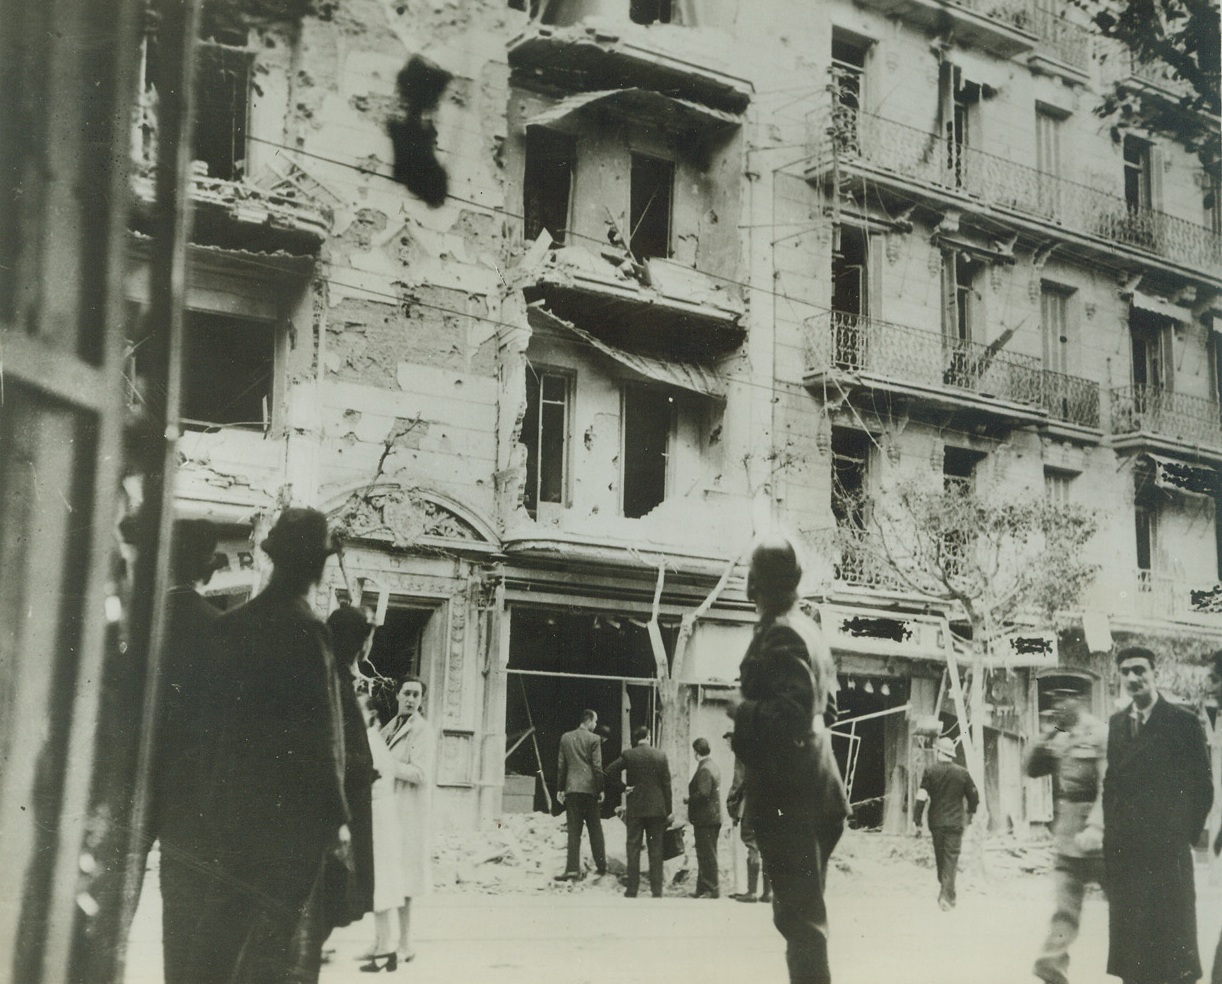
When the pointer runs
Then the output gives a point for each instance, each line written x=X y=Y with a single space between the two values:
x=647 y=809
x=1156 y=796
x=1074 y=753
x=579 y=787
x=704 y=814
x=946 y=787
x=794 y=793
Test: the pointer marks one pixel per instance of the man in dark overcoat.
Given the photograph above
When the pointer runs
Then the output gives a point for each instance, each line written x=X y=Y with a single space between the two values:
x=1156 y=795
x=647 y=807
x=704 y=814
x=274 y=787
x=794 y=791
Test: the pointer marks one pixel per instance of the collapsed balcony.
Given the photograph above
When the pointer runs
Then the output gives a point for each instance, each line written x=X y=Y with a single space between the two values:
x=857 y=353
x=919 y=166
x=689 y=63
x=655 y=305
x=1156 y=417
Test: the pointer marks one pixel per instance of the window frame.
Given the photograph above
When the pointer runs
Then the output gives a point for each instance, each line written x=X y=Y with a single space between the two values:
x=630 y=391
x=569 y=379
x=633 y=227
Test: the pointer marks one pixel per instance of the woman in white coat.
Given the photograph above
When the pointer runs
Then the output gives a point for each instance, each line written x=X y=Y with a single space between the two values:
x=413 y=747
x=388 y=890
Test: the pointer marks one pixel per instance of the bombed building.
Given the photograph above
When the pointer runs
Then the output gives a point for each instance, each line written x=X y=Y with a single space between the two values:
x=686 y=276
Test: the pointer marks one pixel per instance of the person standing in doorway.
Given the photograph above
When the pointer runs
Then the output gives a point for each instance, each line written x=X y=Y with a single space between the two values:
x=704 y=814
x=1156 y=795
x=273 y=781
x=1074 y=752
x=948 y=790
x=740 y=818
x=794 y=793
x=412 y=744
x=647 y=807
x=579 y=787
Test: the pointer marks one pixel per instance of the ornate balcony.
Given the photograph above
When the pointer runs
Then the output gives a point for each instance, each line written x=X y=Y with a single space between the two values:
x=923 y=166
x=1002 y=27
x=857 y=561
x=1122 y=67
x=1061 y=39
x=1151 y=415
x=1071 y=399
x=853 y=350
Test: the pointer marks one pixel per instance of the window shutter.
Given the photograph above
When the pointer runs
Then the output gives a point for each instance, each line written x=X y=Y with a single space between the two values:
x=1156 y=177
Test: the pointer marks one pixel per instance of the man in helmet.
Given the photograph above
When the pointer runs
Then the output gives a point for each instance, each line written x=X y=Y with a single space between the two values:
x=794 y=792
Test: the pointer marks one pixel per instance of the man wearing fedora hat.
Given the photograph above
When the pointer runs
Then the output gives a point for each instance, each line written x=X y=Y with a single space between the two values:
x=273 y=783
x=946 y=787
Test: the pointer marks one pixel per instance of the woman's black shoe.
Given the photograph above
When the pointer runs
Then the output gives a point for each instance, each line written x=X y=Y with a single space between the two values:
x=392 y=963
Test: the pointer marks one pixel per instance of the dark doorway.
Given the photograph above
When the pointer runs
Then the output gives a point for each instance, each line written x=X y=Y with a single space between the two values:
x=862 y=695
x=652 y=191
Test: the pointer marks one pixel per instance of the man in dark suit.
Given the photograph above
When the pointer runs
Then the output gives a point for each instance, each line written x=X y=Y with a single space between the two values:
x=647 y=809
x=273 y=780
x=794 y=792
x=579 y=787
x=704 y=814
x=1156 y=795
x=948 y=789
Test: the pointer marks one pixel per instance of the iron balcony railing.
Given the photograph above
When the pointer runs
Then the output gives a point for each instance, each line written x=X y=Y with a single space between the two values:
x=858 y=560
x=1160 y=595
x=910 y=356
x=1062 y=39
x=928 y=161
x=1015 y=13
x=1120 y=65
x=1158 y=411
x=1071 y=399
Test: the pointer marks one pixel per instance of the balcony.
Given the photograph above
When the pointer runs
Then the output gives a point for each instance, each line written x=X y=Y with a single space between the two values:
x=921 y=166
x=1061 y=41
x=1001 y=27
x=858 y=561
x=1071 y=400
x=1155 y=595
x=1122 y=67
x=1149 y=416
x=855 y=352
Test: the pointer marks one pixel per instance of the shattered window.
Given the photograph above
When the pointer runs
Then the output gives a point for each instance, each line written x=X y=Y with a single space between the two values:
x=850 y=468
x=653 y=183
x=545 y=432
x=228 y=366
x=547 y=186
x=648 y=418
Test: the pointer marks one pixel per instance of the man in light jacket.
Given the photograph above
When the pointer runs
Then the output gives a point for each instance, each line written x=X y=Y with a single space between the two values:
x=579 y=788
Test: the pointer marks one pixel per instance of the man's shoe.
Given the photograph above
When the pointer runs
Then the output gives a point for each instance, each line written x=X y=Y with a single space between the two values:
x=630 y=895
x=766 y=897
x=744 y=897
x=600 y=872
x=568 y=876
x=696 y=895
x=946 y=904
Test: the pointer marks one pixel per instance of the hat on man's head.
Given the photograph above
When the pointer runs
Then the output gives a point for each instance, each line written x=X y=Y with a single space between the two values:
x=299 y=534
x=945 y=746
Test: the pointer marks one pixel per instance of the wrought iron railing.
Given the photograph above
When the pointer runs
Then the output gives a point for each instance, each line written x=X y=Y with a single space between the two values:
x=858 y=559
x=1062 y=39
x=1072 y=399
x=1158 y=411
x=1160 y=595
x=929 y=161
x=1015 y=13
x=854 y=343
x=1121 y=65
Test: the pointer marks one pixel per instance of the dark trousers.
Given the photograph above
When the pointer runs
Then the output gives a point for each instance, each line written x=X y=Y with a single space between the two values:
x=947 y=843
x=1072 y=876
x=582 y=808
x=649 y=829
x=706 y=858
x=795 y=853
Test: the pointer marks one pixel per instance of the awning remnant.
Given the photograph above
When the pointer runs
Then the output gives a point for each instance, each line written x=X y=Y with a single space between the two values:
x=1183 y=476
x=642 y=106
x=1156 y=305
x=689 y=376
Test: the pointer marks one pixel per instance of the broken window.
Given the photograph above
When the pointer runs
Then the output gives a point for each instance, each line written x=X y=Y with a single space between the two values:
x=850 y=470
x=649 y=215
x=1151 y=344
x=960 y=301
x=959 y=467
x=850 y=272
x=650 y=11
x=547 y=186
x=849 y=79
x=648 y=422
x=222 y=99
x=228 y=371
x=960 y=101
x=545 y=432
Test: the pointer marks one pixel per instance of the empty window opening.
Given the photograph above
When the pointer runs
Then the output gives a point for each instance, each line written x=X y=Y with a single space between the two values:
x=1151 y=338
x=849 y=73
x=959 y=467
x=649 y=217
x=228 y=371
x=961 y=100
x=648 y=422
x=547 y=186
x=650 y=11
x=960 y=301
x=850 y=272
x=1145 y=516
x=545 y=432
x=1137 y=172
x=850 y=471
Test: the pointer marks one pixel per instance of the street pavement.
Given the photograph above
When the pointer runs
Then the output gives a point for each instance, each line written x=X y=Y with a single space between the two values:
x=881 y=934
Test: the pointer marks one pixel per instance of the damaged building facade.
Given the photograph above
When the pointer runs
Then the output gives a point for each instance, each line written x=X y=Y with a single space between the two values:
x=698 y=272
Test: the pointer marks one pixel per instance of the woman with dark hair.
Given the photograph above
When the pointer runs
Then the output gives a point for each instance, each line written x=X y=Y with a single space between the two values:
x=413 y=746
x=351 y=634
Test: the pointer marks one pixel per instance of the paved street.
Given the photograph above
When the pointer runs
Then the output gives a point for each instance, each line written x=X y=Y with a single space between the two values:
x=879 y=934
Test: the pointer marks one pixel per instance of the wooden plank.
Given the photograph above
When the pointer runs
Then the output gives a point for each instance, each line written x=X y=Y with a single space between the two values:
x=58 y=373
